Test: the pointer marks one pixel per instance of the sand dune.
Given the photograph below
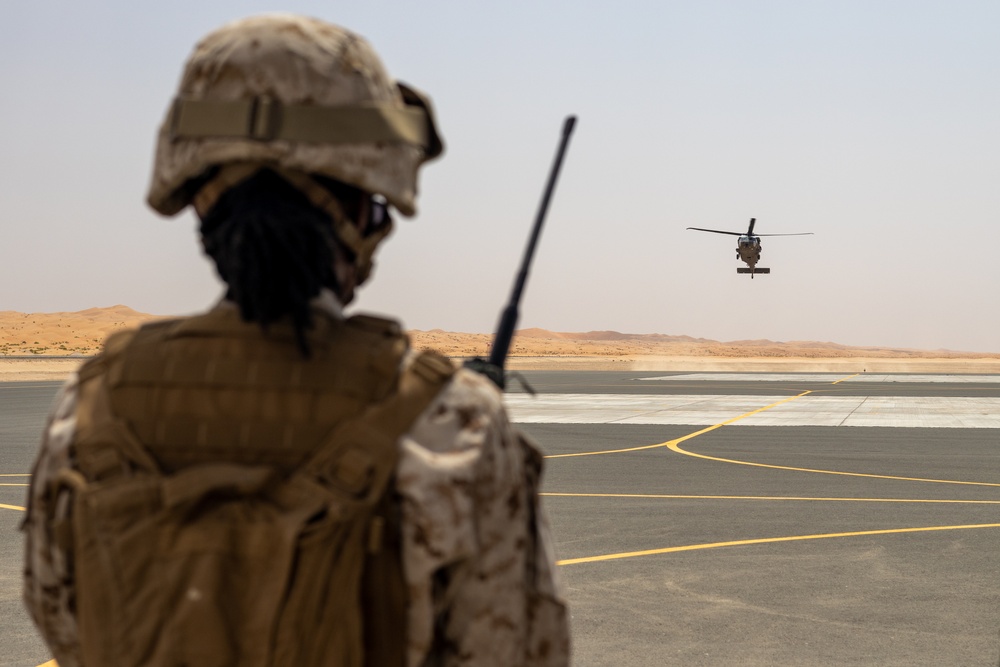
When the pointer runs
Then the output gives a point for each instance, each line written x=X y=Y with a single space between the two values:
x=538 y=342
x=80 y=332
x=45 y=335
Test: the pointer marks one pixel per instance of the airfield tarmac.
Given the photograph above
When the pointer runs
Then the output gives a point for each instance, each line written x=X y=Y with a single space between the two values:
x=726 y=519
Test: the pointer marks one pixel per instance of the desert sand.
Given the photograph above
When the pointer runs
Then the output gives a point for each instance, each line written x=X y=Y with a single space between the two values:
x=48 y=346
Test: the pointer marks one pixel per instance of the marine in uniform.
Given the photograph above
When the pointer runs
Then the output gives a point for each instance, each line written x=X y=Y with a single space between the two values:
x=294 y=146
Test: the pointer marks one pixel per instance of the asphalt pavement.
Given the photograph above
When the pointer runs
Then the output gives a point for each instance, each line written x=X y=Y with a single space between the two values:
x=727 y=543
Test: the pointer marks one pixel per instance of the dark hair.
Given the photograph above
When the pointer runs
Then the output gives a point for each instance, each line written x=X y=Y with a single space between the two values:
x=273 y=248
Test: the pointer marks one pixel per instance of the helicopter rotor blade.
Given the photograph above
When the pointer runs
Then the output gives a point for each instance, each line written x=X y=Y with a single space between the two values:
x=794 y=234
x=753 y=221
x=715 y=231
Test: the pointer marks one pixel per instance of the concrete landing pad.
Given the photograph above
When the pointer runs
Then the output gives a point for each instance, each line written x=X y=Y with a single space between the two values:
x=820 y=377
x=808 y=410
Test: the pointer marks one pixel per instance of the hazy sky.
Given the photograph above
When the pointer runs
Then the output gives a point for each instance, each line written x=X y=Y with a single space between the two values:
x=874 y=124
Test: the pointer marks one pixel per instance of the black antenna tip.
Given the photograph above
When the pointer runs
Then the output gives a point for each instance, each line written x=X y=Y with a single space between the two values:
x=568 y=124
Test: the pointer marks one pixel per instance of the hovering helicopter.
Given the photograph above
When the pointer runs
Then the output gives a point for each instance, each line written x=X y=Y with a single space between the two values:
x=748 y=248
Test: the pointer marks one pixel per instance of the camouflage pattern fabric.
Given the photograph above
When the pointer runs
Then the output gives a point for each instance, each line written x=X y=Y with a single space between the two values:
x=48 y=581
x=291 y=60
x=477 y=554
x=476 y=547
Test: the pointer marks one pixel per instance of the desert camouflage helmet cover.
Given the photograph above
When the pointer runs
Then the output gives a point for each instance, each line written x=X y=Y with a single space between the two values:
x=300 y=94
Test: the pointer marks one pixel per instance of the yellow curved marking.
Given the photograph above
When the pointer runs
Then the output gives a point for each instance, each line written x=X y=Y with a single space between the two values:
x=50 y=663
x=846 y=378
x=11 y=507
x=766 y=540
x=686 y=437
x=849 y=500
x=608 y=451
x=674 y=446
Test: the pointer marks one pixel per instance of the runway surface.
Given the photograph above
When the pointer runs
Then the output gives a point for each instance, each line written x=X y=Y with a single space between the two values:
x=728 y=519
x=722 y=519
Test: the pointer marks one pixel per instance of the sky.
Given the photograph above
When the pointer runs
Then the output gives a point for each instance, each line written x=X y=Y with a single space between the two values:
x=874 y=124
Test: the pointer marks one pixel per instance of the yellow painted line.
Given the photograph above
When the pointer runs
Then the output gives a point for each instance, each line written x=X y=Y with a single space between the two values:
x=11 y=507
x=686 y=437
x=675 y=447
x=846 y=378
x=817 y=498
x=11 y=474
x=13 y=484
x=766 y=540
x=50 y=663
x=608 y=451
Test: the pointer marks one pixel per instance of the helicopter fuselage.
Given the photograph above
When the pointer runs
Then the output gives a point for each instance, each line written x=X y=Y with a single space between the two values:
x=748 y=246
x=748 y=250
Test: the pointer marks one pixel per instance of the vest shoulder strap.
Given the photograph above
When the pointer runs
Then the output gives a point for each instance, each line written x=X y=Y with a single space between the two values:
x=361 y=453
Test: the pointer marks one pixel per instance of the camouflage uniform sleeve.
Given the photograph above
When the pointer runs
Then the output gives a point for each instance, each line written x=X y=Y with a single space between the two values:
x=48 y=584
x=476 y=548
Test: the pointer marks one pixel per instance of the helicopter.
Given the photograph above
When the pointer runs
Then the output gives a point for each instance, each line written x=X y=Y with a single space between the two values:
x=748 y=248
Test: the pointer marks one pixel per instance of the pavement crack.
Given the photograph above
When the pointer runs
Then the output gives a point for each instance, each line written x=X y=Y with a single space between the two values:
x=851 y=413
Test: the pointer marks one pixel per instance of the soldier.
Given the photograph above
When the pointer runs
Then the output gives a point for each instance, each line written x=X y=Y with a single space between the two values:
x=271 y=482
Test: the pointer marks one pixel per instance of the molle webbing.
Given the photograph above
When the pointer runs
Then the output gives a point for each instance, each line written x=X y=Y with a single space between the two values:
x=213 y=388
x=226 y=562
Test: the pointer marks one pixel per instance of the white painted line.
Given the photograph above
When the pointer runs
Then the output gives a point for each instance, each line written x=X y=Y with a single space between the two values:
x=821 y=377
x=883 y=411
x=749 y=377
x=957 y=379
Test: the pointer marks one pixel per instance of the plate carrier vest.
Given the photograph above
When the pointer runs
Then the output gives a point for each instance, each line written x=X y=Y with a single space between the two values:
x=233 y=500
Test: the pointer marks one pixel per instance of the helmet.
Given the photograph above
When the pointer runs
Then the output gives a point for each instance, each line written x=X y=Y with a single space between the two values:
x=297 y=94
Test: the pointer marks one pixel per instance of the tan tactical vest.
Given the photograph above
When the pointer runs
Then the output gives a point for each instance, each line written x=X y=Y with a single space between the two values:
x=233 y=502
